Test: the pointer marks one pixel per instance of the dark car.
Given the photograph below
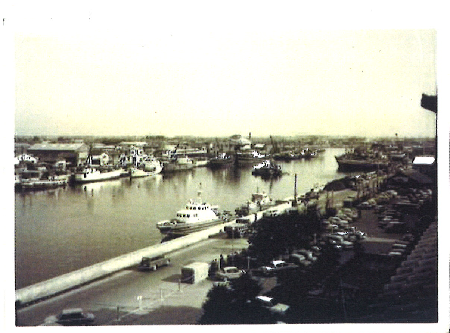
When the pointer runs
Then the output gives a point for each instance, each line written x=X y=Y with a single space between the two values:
x=152 y=264
x=74 y=317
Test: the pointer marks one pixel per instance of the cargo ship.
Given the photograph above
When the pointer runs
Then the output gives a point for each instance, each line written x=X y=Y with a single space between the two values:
x=354 y=162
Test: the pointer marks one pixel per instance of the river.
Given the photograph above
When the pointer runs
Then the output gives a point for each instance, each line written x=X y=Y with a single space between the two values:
x=61 y=230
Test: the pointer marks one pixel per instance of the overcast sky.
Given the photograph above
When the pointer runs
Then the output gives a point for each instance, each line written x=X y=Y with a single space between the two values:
x=179 y=72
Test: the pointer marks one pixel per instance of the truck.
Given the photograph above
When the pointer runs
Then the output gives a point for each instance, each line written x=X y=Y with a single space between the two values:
x=153 y=263
x=195 y=272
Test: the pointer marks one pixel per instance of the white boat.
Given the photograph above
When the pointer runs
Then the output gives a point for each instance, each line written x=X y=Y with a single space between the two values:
x=91 y=174
x=196 y=215
x=149 y=167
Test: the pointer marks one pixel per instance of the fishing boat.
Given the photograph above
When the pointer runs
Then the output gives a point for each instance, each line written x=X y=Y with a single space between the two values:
x=178 y=163
x=221 y=160
x=197 y=215
x=285 y=156
x=259 y=201
x=248 y=157
x=267 y=168
x=150 y=166
x=40 y=183
x=92 y=174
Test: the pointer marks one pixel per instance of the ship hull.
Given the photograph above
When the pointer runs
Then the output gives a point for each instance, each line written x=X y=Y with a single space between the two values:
x=97 y=177
x=188 y=228
x=356 y=165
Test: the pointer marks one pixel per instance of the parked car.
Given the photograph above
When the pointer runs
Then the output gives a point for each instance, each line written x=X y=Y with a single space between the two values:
x=395 y=227
x=274 y=306
x=353 y=213
x=345 y=217
x=276 y=266
x=271 y=213
x=309 y=255
x=72 y=317
x=365 y=205
x=316 y=250
x=152 y=264
x=229 y=273
x=339 y=240
x=395 y=254
x=299 y=260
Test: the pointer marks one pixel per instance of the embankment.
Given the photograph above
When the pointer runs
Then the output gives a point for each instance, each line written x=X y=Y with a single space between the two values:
x=88 y=274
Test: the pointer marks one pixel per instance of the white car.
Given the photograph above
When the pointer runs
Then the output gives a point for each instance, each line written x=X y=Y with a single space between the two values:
x=277 y=266
x=273 y=306
x=229 y=273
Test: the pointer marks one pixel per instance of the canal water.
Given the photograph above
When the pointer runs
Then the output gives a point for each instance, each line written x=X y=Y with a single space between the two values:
x=61 y=230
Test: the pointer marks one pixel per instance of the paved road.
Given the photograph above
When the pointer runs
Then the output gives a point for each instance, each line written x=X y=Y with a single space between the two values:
x=134 y=297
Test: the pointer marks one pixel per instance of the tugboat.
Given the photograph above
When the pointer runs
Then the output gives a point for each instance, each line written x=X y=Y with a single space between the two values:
x=197 y=215
x=248 y=157
x=221 y=161
x=267 y=169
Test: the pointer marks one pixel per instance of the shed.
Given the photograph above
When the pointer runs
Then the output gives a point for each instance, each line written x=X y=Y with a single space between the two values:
x=73 y=153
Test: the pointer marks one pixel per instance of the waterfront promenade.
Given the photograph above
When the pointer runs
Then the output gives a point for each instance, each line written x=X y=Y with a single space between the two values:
x=131 y=297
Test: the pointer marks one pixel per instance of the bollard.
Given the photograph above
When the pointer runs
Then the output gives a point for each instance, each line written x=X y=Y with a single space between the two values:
x=118 y=313
x=139 y=298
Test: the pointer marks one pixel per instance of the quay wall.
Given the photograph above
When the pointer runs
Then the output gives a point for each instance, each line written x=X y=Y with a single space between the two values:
x=88 y=274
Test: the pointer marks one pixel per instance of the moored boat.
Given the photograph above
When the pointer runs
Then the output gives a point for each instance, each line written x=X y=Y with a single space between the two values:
x=351 y=163
x=179 y=163
x=258 y=202
x=197 y=215
x=149 y=167
x=221 y=160
x=267 y=168
x=249 y=157
x=39 y=183
x=92 y=174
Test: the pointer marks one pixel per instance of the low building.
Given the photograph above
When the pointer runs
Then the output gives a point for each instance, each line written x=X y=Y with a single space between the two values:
x=73 y=153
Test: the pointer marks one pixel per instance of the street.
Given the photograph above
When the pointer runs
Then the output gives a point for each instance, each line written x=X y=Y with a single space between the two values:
x=139 y=298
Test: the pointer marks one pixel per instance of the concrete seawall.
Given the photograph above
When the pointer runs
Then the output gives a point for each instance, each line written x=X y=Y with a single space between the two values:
x=82 y=276
x=88 y=274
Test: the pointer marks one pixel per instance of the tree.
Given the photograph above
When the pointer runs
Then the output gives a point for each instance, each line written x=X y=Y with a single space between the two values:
x=234 y=304
x=277 y=235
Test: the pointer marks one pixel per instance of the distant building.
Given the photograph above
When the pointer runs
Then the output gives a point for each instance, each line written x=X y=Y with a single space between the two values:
x=73 y=153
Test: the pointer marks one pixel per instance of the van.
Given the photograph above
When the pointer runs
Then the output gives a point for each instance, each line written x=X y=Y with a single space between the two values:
x=195 y=272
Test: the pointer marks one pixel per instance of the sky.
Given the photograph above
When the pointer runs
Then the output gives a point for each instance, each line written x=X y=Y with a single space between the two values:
x=174 y=71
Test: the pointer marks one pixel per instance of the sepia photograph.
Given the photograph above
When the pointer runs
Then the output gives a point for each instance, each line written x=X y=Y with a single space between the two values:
x=207 y=164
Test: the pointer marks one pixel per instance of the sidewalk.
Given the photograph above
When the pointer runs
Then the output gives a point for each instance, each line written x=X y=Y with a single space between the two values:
x=174 y=305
